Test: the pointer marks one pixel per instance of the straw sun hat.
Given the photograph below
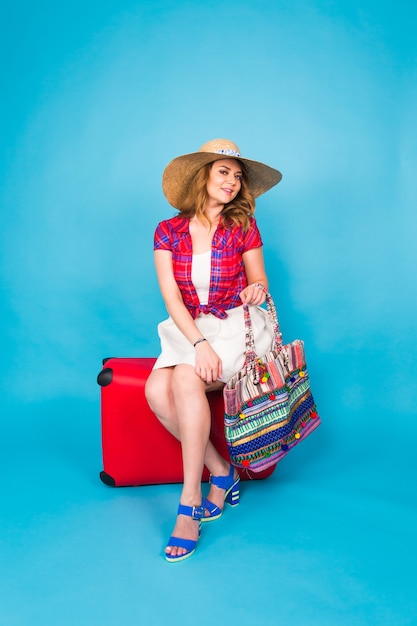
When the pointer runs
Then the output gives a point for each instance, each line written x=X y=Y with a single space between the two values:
x=179 y=173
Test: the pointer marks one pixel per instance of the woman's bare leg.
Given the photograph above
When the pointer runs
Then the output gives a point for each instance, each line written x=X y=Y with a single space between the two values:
x=160 y=396
x=178 y=398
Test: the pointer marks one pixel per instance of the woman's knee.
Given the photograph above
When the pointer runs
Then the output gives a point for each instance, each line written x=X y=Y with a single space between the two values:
x=149 y=389
x=184 y=376
x=158 y=389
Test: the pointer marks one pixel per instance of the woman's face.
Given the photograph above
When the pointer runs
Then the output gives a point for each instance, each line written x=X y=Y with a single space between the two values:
x=224 y=181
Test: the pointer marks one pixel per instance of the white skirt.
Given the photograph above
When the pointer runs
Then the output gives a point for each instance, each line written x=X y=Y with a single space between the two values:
x=226 y=337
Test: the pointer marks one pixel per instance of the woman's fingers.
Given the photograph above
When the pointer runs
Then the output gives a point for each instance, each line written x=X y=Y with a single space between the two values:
x=253 y=294
x=209 y=374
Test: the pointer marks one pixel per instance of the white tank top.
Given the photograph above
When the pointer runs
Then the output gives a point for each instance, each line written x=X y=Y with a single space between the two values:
x=200 y=275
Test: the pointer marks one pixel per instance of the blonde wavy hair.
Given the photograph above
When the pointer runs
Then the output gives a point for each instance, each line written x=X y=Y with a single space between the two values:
x=236 y=212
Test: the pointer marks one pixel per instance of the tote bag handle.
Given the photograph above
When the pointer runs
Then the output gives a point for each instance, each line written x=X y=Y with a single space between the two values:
x=252 y=363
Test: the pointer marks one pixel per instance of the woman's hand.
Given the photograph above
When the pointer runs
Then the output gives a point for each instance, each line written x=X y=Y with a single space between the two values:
x=253 y=294
x=207 y=363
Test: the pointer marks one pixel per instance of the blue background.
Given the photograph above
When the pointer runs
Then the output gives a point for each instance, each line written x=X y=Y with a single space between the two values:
x=97 y=97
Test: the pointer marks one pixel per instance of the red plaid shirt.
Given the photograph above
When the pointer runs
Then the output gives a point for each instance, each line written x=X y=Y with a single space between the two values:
x=227 y=277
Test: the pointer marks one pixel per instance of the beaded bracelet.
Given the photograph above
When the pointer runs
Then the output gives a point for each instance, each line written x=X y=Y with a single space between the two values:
x=264 y=289
x=199 y=341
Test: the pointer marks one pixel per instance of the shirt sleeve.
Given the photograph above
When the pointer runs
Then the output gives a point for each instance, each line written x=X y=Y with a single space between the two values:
x=162 y=238
x=252 y=237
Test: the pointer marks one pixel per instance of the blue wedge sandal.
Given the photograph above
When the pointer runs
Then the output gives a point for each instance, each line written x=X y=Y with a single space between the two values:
x=196 y=512
x=231 y=486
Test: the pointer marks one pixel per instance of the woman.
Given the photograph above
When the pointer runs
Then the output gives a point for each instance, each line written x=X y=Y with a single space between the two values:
x=209 y=262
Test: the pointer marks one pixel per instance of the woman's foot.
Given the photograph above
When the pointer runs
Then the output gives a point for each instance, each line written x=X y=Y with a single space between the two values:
x=186 y=532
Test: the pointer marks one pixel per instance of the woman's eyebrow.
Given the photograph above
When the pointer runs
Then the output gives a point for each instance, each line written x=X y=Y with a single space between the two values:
x=229 y=168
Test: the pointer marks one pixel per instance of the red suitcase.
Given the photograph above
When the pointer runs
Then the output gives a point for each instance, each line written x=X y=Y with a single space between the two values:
x=137 y=449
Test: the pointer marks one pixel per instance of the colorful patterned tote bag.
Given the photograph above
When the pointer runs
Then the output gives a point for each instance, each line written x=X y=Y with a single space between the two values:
x=269 y=407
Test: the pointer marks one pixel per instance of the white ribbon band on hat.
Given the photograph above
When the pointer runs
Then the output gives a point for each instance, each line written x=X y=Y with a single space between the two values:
x=231 y=153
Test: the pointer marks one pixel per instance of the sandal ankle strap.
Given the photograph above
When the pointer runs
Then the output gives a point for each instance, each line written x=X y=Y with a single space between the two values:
x=196 y=512
x=224 y=482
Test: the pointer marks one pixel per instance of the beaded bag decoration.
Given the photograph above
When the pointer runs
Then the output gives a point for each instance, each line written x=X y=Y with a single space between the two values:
x=269 y=407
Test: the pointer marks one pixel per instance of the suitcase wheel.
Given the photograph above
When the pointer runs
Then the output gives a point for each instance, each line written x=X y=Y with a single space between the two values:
x=105 y=377
x=107 y=479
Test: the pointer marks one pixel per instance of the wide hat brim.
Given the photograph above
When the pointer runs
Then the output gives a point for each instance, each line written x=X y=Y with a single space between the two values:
x=180 y=172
